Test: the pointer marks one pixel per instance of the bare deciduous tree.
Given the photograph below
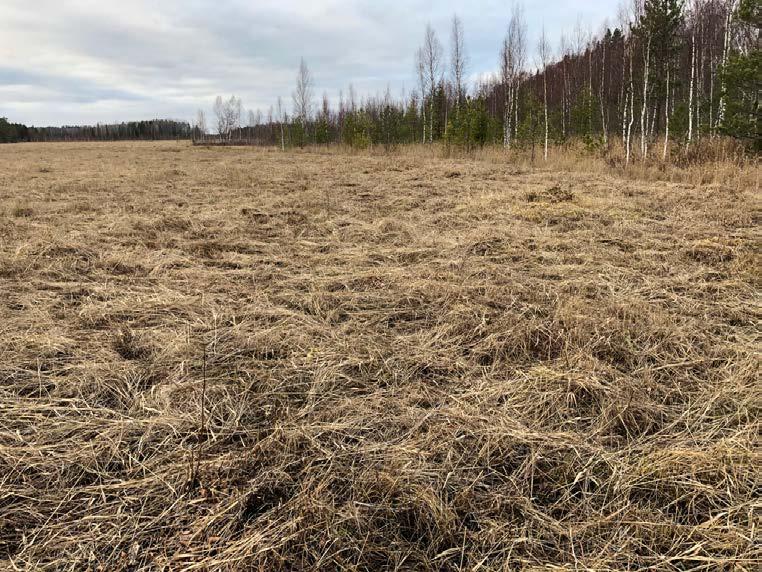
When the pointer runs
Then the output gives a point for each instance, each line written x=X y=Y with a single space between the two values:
x=255 y=118
x=228 y=114
x=564 y=51
x=602 y=86
x=201 y=123
x=234 y=111
x=543 y=52
x=512 y=57
x=219 y=113
x=432 y=63
x=420 y=67
x=631 y=94
x=730 y=7
x=352 y=98
x=303 y=94
x=458 y=60
x=281 y=121
x=695 y=14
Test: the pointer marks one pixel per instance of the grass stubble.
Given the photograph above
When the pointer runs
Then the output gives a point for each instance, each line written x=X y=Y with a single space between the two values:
x=237 y=359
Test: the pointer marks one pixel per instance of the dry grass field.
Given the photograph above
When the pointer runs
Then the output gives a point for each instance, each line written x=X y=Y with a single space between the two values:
x=241 y=359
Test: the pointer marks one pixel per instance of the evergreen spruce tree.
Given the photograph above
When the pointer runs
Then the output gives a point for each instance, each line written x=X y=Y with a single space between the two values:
x=742 y=76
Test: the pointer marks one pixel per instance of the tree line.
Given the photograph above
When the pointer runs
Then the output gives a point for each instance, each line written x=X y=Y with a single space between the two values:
x=668 y=72
x=151 y=130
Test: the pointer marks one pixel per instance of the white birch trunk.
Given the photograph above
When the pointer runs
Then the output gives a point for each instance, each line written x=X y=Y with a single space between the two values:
x=666 y=117
x=423 y=117
x=699 y=83
x=624 y=96
x=712 y=74
x=690 y=92
x=603 y=104
x=431 y=119
x=725 y=52
x=507 y=112
x=644 y=110
x=563 y=101
x=631 y=94
x=545 y=97
x=516 y=111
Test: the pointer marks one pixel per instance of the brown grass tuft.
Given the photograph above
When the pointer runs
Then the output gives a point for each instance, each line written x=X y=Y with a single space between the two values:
x=129 y=346
x=22 y=211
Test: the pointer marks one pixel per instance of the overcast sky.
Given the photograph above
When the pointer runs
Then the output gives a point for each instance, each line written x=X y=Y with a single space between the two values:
x=89 y=61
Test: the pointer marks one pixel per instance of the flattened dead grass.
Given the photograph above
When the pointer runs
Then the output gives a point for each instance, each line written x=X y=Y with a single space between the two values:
x=237 y=359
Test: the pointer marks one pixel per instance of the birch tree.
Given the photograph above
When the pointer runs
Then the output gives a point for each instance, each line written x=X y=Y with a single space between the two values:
x=730 y=8
x=644 y=109
x=255 y=118
x=221 y=116
x=512 y=56
x=228 y=115
x=303 y=94
x=281 y=121
x=666 y=117
x=420 y=67
x=432 y=62
x=695 y=13
x=631 y=98
x=543 y=52
x=201 y=123
x=233 y=112
x=602 y=89
x=565 y=52
x=458 y=60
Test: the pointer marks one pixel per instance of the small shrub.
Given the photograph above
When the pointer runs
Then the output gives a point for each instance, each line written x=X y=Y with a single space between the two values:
x=129 y=346
x=22 y=211
x=555 y=194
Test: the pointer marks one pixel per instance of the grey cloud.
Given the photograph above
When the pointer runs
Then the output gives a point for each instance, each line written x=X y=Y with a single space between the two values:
x=52 y=88
x=83 y=60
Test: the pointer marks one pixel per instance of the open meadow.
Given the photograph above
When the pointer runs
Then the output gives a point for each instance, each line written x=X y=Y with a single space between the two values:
x=243 y=359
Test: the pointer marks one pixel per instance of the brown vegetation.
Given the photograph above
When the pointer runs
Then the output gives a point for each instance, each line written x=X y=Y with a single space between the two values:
x=236 y=358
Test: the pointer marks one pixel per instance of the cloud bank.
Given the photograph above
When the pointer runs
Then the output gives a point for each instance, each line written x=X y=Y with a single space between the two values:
x=88 y=61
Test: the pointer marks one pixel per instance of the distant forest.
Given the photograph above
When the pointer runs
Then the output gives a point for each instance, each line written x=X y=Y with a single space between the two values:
x=669 y=71
x=135 y=130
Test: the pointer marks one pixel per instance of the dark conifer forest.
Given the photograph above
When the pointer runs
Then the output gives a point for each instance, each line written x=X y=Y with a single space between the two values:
x=153 y=130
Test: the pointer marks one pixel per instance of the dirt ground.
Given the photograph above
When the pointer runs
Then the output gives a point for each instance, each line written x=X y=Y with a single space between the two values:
x=241 y=359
